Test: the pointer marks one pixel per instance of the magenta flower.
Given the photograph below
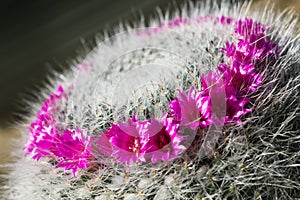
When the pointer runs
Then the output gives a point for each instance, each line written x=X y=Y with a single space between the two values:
x=128 y=140
x=104 y=146
x=175 y=111
x=164 y=142
x=43 y=132
x=222 y=99
x=41 y=138
x=229 y=49
x=176 y=22
x=235 y=109
x=193 y=110
x=225 y=20
x=249 y=51
x=213 y=86
x=239 y=80
x=247 y=27
x=73 y=150
x=51 y=103
x=252 y=46
x=243 y=53
x=226 y=108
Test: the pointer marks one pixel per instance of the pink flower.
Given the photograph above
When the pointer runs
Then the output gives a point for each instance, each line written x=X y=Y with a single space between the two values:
x=73 y=150
x=226 y=108
x=253 y=45
x=250 y=50
x=164 y=142
x=235 y=110
x=128 y=140
x=243 y=53
x=222 y=99
x=229 y=49
x=213 y=86
x=42 y=135
x=50 y=103
x=193 y=110
x=239 y=80
x=225 y=20
x=175 y=110
x=43 y=132
x=104 y=146
x=175 y=23
x=248 y=27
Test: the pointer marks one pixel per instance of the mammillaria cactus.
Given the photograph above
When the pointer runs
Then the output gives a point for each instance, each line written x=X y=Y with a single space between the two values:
x=202 y=105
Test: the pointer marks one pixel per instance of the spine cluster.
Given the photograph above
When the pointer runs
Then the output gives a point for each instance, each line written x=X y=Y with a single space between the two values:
x=222 y=99
x=203 y=105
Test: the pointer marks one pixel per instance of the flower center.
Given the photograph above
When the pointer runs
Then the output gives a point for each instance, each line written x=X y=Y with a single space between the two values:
x=135 y=146
x=163 y=138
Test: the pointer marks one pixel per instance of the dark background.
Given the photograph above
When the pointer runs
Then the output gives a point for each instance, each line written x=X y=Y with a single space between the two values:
x=39 y=36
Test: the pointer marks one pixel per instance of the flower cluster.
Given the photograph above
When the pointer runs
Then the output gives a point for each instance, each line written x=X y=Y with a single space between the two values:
x=239 y=74
x=238 y=78
x=41 y=134
x=70 y=148
x=222 y=99
x=140 y=141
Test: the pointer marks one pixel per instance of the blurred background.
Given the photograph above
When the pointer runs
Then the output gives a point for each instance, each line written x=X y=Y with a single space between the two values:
x=37 y=37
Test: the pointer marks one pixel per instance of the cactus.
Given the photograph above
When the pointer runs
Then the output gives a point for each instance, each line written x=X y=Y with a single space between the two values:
x=204 y=104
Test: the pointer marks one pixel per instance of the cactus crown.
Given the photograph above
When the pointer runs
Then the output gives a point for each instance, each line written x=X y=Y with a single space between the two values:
x=203 y=105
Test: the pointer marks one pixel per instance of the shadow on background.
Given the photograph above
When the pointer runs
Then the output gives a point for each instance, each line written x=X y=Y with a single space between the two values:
x=41 y=36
